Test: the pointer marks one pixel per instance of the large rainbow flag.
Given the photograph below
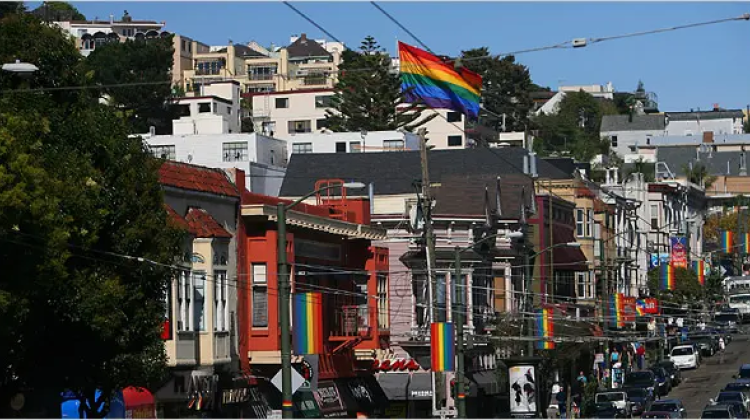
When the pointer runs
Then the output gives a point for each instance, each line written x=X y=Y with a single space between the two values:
x=442 y=342
x=666 y=275
x=307 y=333
x=545 y=329
x=700 y=270
x=726 y=241
x=428 y=79
x=615 y=310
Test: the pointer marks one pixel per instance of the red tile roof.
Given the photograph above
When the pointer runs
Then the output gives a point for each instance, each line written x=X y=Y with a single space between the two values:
x=197 y=178
x=176 y=218
x=202 y=225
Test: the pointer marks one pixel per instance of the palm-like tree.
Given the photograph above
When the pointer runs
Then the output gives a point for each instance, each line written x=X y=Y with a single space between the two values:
x=698 y=174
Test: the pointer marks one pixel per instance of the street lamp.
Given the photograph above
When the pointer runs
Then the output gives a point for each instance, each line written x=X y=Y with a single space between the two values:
x=284 y=290
x=20 y=68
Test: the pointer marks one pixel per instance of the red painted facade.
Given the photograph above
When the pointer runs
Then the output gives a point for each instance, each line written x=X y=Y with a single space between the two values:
x=342 y=269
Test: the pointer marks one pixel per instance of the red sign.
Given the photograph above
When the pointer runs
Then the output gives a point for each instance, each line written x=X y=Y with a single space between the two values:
x=628 y=309
x=647 y=306
x=395 y=365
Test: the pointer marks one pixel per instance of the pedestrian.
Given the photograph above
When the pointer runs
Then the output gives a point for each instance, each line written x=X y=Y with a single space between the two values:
x=562 y=400
x=615 y=356
x=721 y=350
x=582 y=378
x=641 y=354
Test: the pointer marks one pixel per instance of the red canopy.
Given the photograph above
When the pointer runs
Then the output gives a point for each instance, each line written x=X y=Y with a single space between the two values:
x=139 y=402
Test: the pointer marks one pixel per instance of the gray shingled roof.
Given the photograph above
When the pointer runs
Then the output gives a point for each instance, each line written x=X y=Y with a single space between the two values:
x=639 y=123
x=305 y=47
x=678 y=156
x=705 y=115
x=394 y=172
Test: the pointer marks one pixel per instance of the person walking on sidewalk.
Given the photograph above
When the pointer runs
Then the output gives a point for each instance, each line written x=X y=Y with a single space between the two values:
x=721 y=350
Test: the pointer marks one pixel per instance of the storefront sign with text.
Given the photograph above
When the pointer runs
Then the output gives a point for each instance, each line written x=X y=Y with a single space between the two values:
x=396 y=365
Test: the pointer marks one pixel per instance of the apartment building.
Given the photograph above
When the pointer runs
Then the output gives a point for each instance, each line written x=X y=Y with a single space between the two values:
x=89 y=34
x=352 y=142
x=207 y=132
x=200 y=338
x=602 y=92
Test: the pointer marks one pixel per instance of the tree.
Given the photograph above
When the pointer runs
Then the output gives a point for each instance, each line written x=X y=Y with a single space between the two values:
x=144 y=68
x=75 y=192
x=574 y=129
x=368 y=95
x=687 y=289
x=506 y=89
x=58 y=11
x=698 y=174
x=11 y=7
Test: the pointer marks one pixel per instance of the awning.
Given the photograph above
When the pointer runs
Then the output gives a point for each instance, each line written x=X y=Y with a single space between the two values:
x=365 y=392
x=404 y=386
x=487 y=381
x=329 y=400
x=139 y=403
x=567 y=258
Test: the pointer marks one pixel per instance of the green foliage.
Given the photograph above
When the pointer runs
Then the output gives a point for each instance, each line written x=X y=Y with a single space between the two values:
x=128 y=63
x=368 y=97
x=574 y=129
x=506 y=89
x=648 y=170
x=58 y=11
x=687 y=288
x=74 y=191
x=698 y=174
x=11 y=8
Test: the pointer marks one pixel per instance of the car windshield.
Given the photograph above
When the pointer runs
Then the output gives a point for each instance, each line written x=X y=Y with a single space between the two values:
x=715 y=414
x=726 y=317
x=740 y=387
x=611 y=396
x=658 y=406
x=682 y=351
x=636 y=393
x=745 y=372
x=639 y=377
x=729 y=396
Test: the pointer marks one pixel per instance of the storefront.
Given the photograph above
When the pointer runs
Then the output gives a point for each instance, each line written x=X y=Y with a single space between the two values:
x=188 y=394
x=238 y=398
x=364 y=396
x=409 y=394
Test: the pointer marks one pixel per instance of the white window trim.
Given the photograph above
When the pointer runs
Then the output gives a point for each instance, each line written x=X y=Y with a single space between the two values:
x=221 y=299
x=260 y=284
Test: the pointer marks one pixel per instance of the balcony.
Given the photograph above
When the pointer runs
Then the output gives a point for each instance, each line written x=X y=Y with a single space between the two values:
x=350 y=322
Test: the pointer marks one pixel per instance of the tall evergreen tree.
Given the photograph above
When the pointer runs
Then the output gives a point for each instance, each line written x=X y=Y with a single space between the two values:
x=368 y=94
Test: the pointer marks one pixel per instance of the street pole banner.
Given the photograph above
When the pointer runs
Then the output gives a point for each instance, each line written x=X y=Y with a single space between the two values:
x=679 y=251
x=442 y=341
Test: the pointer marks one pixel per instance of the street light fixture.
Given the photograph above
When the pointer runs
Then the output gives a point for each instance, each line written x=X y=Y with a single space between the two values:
x=20 y=68
x=284 y=291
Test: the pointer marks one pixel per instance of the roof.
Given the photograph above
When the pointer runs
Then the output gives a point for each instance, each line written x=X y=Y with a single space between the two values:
x=717 y=163
x=243 y=51
x=288 y=92
x=203 y=225
x=464 y=195
x=395 y=172
x=197 y=178
x=175 y=218
x=638 y=123
x=304 y=47
x=705 y=115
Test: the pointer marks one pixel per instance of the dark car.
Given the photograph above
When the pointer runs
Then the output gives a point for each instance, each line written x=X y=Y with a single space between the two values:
x=674 y=407
x=640 y=398
x=743 y=386
x=725 y=397
x=645 y=379
x=718 y=412
x=663 y=380
x=674 y=372
x=744 y=372
x=657 y=415
x=607 y=410
x=740 y=410
x=706 y=343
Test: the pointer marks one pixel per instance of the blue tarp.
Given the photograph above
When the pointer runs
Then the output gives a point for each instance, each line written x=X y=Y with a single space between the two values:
x=71 y=404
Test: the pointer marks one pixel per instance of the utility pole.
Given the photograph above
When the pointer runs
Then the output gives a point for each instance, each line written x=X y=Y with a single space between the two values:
x=528 y=304
x=605 y=296
x=460 y=285
x=286 y=338
x=437 y=378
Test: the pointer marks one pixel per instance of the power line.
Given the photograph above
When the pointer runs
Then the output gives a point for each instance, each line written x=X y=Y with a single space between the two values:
x=403 y=28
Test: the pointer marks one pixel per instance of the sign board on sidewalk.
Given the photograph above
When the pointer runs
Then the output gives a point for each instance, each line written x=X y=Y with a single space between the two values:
x=444 y=413
x=297 y=380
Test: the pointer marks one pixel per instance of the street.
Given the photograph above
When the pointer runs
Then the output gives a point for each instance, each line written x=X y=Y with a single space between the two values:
x=701 y=384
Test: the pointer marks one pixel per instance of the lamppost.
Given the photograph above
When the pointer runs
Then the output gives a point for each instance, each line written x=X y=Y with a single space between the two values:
x=284 y=291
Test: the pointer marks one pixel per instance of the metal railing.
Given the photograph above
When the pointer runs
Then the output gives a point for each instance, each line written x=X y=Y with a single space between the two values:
x=352 y=321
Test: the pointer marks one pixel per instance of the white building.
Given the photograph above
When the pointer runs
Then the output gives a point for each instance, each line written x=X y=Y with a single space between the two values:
x=717 y=121
x=353 y=142
x=597 y=91
x=208 y=134
x=91 y=33
x=626 y=132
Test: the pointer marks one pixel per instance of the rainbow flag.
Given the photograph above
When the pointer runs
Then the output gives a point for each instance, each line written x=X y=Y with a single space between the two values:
x=745 y=243
x=428 y=79
x=640 y=307
x=726 y=241
x=700 y=270
x=615 y=310
x=307 y=331
x=545 y=328
x=442 y=344
x=667 y=277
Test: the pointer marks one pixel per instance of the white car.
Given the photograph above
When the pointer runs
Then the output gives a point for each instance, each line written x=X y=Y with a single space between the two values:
x=684 y=357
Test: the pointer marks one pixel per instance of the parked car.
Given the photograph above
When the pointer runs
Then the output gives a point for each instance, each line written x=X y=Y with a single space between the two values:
x=608 y=410
x=744 y=372
x=685 y=357
x=645 y=379
x=706 y=343
x=674 y=372
x=672 y=406
x=740 y=410
x=739 y=386
x=728 y=396
x=663 y=380
x=718 y=412
x=658 y=415
x=618 y=398
x=640 y=400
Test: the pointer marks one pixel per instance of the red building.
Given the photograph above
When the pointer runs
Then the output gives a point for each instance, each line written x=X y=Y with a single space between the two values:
x=329 y=252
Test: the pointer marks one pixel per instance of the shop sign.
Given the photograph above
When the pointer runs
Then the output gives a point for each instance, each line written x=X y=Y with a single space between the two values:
x=360 y=392
x=396 y=365
x=647 y=306
x=421 y=393
x=235 y=396
x=628 y=309
x=679 y=251
x=144 y=412
x=329 y=396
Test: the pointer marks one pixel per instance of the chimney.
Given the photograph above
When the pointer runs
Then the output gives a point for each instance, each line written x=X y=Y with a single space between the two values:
x=111 y=19
x=716 y=107
x=708 y=137
x=303 y=36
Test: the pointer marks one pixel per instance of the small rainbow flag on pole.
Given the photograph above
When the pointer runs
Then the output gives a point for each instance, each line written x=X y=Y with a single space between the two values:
x=307 y=333
x=545 y=328
x=667 y=277
x=726 y=241
x=745 y=243
x=615 y=310
x=431 y=80
x=442 y=343
x=700 y=270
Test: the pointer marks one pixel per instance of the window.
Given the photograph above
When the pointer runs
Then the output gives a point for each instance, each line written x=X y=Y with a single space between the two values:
x=441 y=310
x=204 y=107
x=184 y=302
x=268 y=127
x=301 y=126
x=355 y=147
x=453 y=117
x=341 y=147
x=391 y=145
x=221 y=310
x=613 y=141
x=589 y=222
x=383 y=301
x=199 y=306
x=321 y=124
x=455 y=141
x=167 y=152
x=597 y=240
x=323 y=101
x=260 y=296
x=235 y=152
x=282 y=103
x=229 y=110
x=315 y=79
x=302 y=148
x=261 y=72
x=129 y=32
x=654 y=217
x=260 y=89
x=213 y=67
x=582 y=285
x=580 y=223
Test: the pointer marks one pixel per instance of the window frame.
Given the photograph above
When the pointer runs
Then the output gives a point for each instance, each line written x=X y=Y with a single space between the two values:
x=234 y=151
x=259 y=285
x=284 y=102
x=302 y=148
x=221 y=299
x=451 y=139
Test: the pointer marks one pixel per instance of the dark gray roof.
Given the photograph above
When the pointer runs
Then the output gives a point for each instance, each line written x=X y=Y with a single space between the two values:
x=304 y=47
x=678 y=156
x=705 y=115
x=394 y=172
x=464 y=195
x=243 y=51
x=638 y=123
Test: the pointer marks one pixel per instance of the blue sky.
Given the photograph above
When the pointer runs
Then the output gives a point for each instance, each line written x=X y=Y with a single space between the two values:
x=690 y=68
